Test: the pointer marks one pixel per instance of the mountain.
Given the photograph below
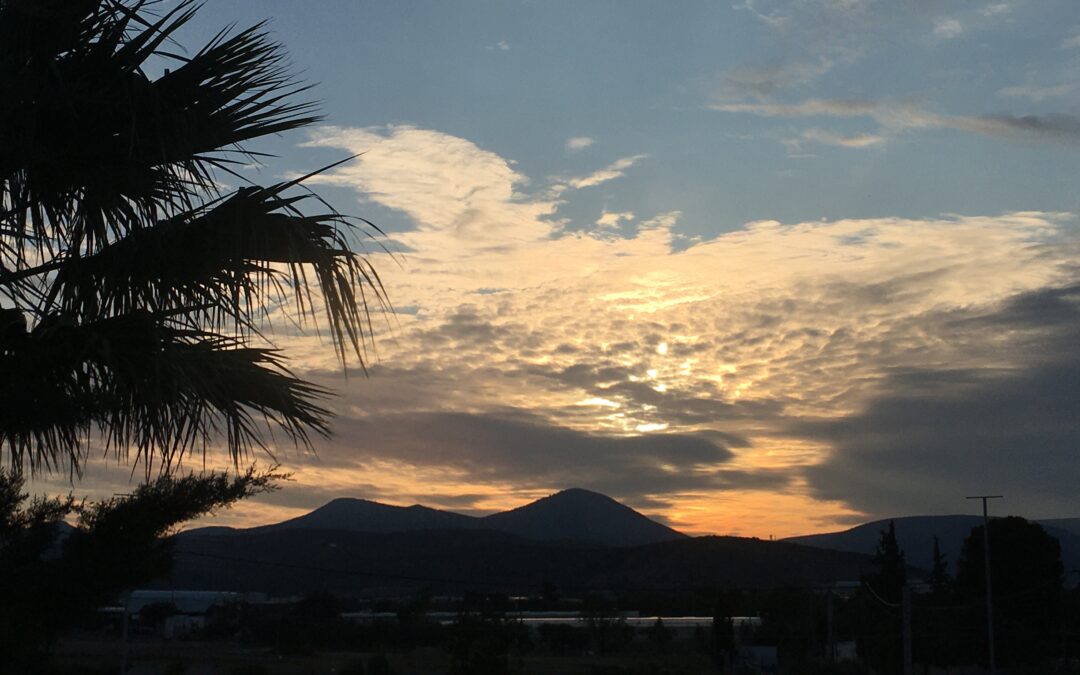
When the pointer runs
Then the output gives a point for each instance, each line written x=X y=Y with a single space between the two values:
x=576 y=539
x=915 y=534
x=1068 y=524
x=361 y=515
x=584 y=516
x=289 y=561
x=571 y=515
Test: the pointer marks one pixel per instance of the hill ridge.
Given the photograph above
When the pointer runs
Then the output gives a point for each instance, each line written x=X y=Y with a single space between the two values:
x=573 y=514
x=915 y=534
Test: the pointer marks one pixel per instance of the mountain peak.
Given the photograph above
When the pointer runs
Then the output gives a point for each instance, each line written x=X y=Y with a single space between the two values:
x=579 y=494
x=574 y=514
x=582 y=515
x=363 y=515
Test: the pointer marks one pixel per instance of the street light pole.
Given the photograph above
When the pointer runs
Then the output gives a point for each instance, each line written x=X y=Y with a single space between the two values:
x=989 y=592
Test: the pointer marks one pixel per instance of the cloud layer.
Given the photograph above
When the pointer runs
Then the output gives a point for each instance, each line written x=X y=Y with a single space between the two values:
x=774 y=379
x=533 y=356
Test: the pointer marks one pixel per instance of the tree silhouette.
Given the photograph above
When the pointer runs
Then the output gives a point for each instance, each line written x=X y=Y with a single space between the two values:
x=890 y=570
x=1026 y=572
x=53 y=575
x=879 y=638
x=135 y=293
x=940 y=580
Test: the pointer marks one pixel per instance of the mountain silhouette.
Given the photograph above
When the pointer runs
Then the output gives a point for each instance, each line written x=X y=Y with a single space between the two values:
x=575 y=515
x=361 y=515
x=915 y=535
x=584 y=516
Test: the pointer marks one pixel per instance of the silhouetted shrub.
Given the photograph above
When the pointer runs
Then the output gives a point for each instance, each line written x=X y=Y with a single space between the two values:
x=378 y=664
x=355 y=667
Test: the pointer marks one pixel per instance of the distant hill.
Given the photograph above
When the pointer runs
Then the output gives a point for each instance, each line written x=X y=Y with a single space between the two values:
x=361 y=515
x=581 y=515
x=915 y=534
x=571 y=515
x=296 y=560
x=1068 y=524
x=577 y=539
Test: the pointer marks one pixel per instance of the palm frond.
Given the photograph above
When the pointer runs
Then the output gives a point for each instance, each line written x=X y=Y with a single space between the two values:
x=148 y=388
x=98 y=150
x=220 y=263
x=131 y=290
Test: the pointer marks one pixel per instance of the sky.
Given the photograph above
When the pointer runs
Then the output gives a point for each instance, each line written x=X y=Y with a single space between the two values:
x=752 y=267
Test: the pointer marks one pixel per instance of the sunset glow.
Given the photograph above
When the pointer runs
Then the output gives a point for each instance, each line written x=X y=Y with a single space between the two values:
x=713 y=295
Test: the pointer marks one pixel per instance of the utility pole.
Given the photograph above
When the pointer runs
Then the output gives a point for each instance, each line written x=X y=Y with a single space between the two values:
x=124 y=652
x=989 y=592
x=905 y=611
x=830 y=634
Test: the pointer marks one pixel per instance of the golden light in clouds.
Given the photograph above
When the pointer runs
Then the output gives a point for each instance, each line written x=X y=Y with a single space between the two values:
x=731 y=339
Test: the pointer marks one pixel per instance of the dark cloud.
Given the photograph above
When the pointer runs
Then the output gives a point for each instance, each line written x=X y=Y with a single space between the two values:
x=311 y=497
x=521 y=449
x=938 y=435
x=1049 y=127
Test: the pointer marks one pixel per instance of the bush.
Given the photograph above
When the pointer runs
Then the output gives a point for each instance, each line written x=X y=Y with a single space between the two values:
x=355 y=667
x=378 y=664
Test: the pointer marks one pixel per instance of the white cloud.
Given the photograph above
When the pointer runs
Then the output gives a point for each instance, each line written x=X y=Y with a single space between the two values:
x=501 y=45
x=858 y=141
x=772 y=19
x=612 y=219
x=579 y=143
x=996 y=9
x=616 y=169
x=445 y=184
x=1072 y=42
x=807 y=108
x=948 y=28
x=1037 y=94
x=733 y=336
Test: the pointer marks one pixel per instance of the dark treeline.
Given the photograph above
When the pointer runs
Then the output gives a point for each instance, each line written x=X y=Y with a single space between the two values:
x=832 y=628
x=812 y=630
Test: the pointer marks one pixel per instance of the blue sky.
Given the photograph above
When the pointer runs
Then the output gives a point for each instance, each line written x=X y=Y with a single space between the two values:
x=521 y=78
x=759 y=268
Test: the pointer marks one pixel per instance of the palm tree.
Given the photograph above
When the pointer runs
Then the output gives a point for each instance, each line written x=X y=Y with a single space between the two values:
x=135 y=295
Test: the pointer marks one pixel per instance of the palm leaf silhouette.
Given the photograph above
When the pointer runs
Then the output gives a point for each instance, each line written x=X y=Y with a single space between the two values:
x=134 y=295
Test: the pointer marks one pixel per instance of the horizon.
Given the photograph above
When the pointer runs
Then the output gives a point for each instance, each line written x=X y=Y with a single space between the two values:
x=769 y=267
x=654 y=517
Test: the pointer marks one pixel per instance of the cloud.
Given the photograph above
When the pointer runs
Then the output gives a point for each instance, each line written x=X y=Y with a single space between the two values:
x=845 y=141
x=537 y=356
x=938 y=434
x=807 y=108
x=805 y=42
x=612 y=219
x=501 y=46
x=761 y=82
x=579 y=143
x=552 y=336
x=896 y=118
x=1037 y=94
x=948 y=28
x=520 y=449
x=1071 y=42
x=616 y=169
x=451 y=188
x=996 y=9
x=774 y=20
